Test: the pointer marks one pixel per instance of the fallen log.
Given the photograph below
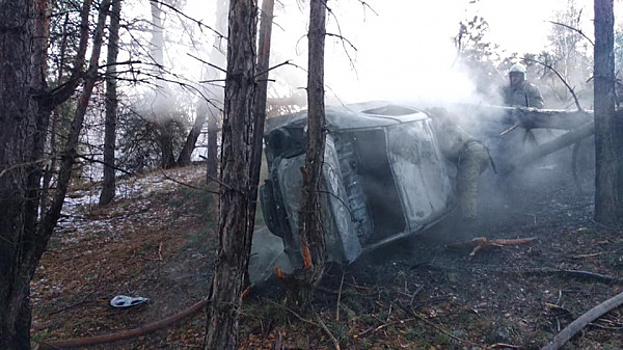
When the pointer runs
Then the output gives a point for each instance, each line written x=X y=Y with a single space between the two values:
x=572 y=329
x=527 y=118
x=559 y=143
x=531 y=118
x=578 y=274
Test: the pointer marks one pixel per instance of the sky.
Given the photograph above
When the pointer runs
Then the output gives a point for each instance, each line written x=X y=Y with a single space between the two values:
x=394 y=49
x=522 y=25
x=404 y=48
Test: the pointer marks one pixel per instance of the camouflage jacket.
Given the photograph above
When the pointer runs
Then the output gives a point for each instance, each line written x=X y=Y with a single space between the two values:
x=523 y=95
x=450 y=138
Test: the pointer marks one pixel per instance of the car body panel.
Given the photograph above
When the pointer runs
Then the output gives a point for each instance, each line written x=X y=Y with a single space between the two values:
x=383 y=178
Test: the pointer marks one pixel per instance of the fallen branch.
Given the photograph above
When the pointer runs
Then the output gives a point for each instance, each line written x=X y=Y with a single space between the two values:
x=414 y=294
x=301 y=318
x=549 y=271
x=568 y=332
x=320 y=324
x=481 y=243
x=608 y=328
x=556 y=308
x=384 y=325
x=339 y=297
x=579 y=274
x=504 y=346
x=584 y=256
x=515 y=126
x=326 y=330
x=412 y=313
x=71 y=305
x=522 y=160
x=166 y=176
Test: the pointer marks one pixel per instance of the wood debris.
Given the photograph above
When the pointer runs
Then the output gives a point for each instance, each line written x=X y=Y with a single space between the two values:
x=482 y=243
x=584 y=256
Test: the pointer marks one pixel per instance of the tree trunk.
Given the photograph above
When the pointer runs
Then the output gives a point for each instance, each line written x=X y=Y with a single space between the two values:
x=23 y=241
x=108 y=187
x=212 y=163
x=53 y=99
x=65 y=90
x=259 y=107
x=608 y=127
x=166 y=143
x=212 y=111
x=48 y=223
x=165 y=133
x=157 y=38
x=15 y=136
x=39 y=84
x=310 y=224
x=574 y=136
x=540 y=118
x=234 y=238
x=185 y=155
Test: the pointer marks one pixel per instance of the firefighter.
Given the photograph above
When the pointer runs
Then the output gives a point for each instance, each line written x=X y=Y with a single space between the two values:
x=469 y=155
x=520 y=92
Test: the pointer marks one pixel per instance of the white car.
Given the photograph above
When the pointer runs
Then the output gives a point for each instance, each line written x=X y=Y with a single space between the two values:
x=383 y=178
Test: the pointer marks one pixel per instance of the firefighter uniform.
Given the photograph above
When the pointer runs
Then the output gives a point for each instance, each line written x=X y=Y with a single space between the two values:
x=520 y=92
x=469 y=155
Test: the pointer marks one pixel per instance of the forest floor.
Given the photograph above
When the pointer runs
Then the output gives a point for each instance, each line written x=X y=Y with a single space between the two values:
x=158 y=240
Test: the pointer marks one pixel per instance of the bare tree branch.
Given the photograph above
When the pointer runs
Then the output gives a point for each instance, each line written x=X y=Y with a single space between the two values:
x=573 y=29
x=274 y=67
x=208 y=63
x=343 y=39
x=182 y=14
x=564 y=81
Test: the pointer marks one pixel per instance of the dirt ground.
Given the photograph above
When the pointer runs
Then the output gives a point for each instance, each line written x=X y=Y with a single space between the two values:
x=424 y=293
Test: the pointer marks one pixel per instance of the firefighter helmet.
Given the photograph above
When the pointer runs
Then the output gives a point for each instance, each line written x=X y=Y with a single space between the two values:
x=517 y=68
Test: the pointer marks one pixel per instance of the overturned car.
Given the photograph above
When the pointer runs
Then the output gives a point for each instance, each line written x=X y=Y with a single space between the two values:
x=383 y=178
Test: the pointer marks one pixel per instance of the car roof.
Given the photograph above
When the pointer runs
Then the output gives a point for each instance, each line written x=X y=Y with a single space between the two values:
x=355 y=116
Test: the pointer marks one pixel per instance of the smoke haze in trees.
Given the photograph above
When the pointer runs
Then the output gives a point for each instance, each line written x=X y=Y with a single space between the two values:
x=405 y=48
x=400 y=49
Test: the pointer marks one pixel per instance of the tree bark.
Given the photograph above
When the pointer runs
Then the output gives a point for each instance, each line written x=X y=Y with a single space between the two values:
x=259 y=107
x=608 y=127
x=110 y=123
x=184 y=157
x=310 y=225
x=23 y=240
x=165 y=129
x=234 y=237
x=52 y=99
x=15 y=115
x=39 y=84
x=51 y=217
x=212 y=163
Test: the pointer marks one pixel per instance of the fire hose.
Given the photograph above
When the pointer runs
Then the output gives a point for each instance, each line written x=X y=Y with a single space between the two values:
x=109 y=338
